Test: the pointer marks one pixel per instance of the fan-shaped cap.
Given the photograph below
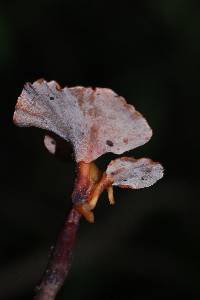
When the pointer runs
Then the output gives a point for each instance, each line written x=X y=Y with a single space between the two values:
x=95 y=121
x=128 y=172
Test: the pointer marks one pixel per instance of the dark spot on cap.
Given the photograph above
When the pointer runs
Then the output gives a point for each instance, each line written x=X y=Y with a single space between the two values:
x=125 y=140
x=51 y=98
x=109 y=143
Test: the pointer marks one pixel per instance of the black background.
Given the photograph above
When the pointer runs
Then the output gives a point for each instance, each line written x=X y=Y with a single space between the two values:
x=148 y=244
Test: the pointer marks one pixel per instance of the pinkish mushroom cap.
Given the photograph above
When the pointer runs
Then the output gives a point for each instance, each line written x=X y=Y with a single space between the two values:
x=128 y=172
x=95 y=121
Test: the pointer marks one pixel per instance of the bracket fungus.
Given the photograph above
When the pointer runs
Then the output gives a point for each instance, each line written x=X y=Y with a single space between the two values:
x=95 y=121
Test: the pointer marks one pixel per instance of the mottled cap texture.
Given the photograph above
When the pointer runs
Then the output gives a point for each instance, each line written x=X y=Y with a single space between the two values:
x=94 y=120
x=128 y=172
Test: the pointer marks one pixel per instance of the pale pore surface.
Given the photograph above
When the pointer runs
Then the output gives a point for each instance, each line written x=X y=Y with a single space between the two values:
x=95 y=121
x=134 y=173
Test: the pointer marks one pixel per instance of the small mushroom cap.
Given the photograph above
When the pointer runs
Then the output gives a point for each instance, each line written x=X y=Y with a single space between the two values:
x=58 y=146
x=95 y=121
x=128 y=172
x=50 y=144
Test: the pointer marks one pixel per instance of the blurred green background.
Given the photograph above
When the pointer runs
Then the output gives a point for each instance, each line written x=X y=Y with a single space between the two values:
x=148 y=244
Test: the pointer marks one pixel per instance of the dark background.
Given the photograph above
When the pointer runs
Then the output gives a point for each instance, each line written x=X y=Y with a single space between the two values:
x=148 y=245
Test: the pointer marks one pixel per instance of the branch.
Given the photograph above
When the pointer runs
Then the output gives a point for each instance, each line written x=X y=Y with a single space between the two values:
x=60 y=259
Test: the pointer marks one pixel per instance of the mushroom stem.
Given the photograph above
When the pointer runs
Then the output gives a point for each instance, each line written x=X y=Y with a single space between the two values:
x=88 y=177
x=60 y=259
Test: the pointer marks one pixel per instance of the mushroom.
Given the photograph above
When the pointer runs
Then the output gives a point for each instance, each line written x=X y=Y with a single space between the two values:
x=95 y=121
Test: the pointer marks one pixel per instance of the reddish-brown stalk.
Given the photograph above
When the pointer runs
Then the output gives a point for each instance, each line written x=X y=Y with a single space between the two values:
x=60 y=259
